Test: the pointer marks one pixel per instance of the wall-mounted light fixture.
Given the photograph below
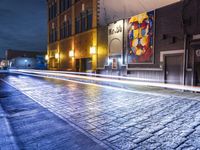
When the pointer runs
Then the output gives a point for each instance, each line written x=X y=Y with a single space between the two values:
x=71 y=53
x=92 y=50
x=46 y=57
x=57 y=56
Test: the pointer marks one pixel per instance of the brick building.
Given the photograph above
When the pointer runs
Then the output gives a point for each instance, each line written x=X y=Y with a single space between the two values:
x=98 y=35
x=77 y=37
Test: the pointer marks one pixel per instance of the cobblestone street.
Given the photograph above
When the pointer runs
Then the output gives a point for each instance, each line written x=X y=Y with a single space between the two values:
x=119 y=119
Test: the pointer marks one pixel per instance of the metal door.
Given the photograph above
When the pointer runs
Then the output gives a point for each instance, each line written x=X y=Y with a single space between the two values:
x=174 y=69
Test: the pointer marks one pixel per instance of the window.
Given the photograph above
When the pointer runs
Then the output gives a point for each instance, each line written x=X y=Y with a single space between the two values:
x=69 y=28
x=65 y=4
x=89 y=19
x=52 y=34
x=77 y=25
x=49 y=13
x=63 y=31
x=83 y=22
x=70 y=3
x=66 y=29
x=52 y=11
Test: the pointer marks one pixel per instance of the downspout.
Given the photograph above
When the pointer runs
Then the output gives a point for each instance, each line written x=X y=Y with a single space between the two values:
x=185 y=43
x=185 y=59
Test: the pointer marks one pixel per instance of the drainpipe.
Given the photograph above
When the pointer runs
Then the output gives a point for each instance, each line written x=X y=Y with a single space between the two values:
x=185 y=59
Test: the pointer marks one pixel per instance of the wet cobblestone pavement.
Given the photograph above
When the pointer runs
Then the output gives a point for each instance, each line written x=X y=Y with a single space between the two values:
x=26 y=125
x=120 y=119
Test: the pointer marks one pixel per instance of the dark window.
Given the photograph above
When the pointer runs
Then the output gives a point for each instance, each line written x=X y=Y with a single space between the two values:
x=69 y=28
x=65 y=4
x=77 y=25
x=49 y=13
x=70 y=3
x=66 y=29
x=54 y=10
x=83 y=22
x=63 y=31
x=62 y=4
x=89 y=20
x=53 y=36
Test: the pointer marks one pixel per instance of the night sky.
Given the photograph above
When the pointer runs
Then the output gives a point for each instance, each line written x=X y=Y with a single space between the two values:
x=23 y=25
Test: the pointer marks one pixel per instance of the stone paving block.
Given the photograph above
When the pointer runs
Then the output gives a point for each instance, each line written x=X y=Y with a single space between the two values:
x=27 y=125
x=123 y=120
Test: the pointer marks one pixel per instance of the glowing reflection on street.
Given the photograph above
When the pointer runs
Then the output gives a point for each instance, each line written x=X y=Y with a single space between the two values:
x=106 y=78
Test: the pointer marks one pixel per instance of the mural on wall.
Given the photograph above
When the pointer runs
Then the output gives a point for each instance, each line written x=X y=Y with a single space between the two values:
x=140 y=38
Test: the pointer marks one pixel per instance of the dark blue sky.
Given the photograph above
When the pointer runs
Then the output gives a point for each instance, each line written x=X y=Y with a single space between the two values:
x=23 y=25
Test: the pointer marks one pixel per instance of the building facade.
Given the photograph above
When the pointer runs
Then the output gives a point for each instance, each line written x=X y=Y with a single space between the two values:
x=155 y=41
x=77 y=31
x=21 y=59
x=160 y=45
x=72 y=35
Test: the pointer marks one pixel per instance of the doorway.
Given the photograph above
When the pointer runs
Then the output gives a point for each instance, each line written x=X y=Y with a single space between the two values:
x=197 y=73
x=86 y=64
x=77 y=65
x=197 y=67
x=174 y=69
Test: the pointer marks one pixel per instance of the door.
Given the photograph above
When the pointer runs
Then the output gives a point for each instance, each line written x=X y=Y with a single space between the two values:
x=77 y=65
x=197 y=68
x=174 y=69
x=86 y=64
x=197 y=73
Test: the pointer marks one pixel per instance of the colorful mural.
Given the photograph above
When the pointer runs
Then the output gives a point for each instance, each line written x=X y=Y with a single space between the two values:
x=140 y=38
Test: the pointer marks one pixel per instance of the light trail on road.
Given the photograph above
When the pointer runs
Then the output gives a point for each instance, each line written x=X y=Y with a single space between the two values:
x=106 y=78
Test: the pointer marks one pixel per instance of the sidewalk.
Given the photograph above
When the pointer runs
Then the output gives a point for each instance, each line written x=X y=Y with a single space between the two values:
x=27 y=125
